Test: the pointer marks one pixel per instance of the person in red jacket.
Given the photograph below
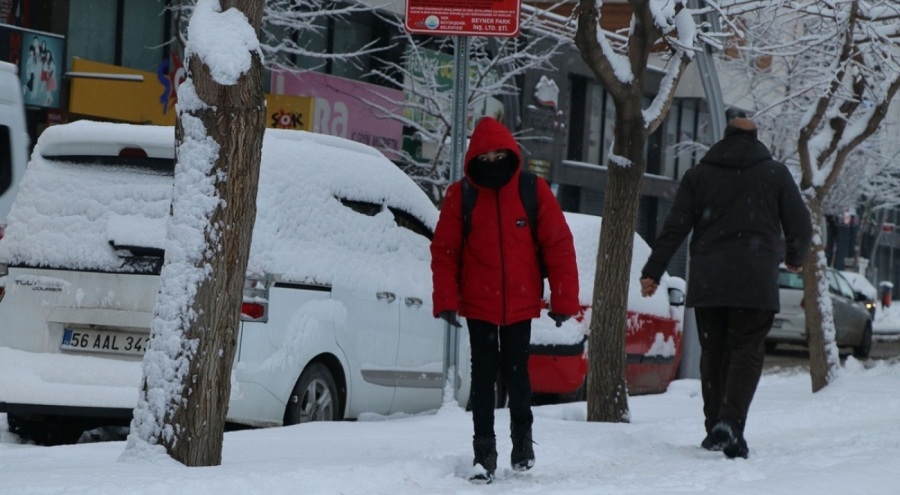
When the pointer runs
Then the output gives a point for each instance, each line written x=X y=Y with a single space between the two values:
x=492 y=277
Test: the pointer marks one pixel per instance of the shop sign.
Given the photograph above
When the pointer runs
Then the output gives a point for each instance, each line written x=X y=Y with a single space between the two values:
x=148 y=100
x=349 y=109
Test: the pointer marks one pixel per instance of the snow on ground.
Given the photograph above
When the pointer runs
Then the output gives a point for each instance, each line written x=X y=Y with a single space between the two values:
x=887 y=320
x=842 y=440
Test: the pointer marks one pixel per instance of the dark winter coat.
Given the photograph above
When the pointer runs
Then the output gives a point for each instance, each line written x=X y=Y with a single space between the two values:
x=738 y=201
x=494 y=275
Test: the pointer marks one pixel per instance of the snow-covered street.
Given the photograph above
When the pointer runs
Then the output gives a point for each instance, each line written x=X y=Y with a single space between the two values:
x=844 y=439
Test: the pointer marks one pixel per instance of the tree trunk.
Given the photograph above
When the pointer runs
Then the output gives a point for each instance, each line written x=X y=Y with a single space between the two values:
x=823 y=351
x=234 y=117
x=607 y=389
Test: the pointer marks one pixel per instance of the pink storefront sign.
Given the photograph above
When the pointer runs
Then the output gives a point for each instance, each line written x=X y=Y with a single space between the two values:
x=349 y=109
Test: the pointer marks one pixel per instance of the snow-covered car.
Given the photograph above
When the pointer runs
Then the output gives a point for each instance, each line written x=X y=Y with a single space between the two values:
x=852 y=322
x=864 y=290
x=336 y=319
x=558 y=362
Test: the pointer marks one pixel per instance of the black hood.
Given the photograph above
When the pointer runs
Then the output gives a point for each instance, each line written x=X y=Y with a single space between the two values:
x=738 y=150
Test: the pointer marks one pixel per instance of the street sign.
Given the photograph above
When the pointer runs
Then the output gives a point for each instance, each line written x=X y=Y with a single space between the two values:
x=463 y=17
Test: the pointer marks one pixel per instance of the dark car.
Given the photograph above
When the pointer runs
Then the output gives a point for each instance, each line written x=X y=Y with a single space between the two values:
x=852 y=321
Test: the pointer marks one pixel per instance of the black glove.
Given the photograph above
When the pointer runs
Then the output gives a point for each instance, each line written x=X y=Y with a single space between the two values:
x=450 y=317
x=558 y=318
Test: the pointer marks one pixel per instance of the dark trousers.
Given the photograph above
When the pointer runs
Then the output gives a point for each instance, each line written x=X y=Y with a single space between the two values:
x=732 y=343
x=502 y=349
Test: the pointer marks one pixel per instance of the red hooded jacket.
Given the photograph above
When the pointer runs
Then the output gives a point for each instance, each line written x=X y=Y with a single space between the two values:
x=494 y=275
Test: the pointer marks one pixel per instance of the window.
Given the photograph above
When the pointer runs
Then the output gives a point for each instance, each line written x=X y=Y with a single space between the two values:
x=131 y=37
x=401 y=218
x=143 y=34
x=5 y=159
x=844 y=287
x=92 y=33
x=412 y=223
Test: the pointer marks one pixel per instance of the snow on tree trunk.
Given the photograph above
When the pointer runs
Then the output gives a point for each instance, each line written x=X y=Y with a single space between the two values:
x=823 y=351
x=221 y=118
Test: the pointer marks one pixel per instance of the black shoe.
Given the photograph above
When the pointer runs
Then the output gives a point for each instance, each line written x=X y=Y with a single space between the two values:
x=738 y=448
x=710 y=444
x=485 y=458
x=730 y=439
x=522 y=456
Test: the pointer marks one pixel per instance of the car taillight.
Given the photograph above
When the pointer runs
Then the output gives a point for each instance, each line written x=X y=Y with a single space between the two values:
x=132 y=152
x=252 y=311
x=255 y=306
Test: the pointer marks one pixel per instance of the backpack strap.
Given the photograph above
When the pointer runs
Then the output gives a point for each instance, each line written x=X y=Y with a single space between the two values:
x=469 y=195
x=528 y=193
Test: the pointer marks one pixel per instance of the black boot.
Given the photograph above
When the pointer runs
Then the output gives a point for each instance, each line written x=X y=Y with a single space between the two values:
x=729 y=436
x=522 y=456
x=486 y=457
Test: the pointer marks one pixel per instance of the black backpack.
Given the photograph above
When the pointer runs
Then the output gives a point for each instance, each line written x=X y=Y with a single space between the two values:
x=528 y=194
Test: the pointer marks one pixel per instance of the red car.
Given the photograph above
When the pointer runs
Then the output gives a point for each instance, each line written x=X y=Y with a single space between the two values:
x=559 y=360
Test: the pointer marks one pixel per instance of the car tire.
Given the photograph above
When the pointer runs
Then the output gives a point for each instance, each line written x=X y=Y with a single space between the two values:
x=314 y=398
x=864 y=348
x=44 y=432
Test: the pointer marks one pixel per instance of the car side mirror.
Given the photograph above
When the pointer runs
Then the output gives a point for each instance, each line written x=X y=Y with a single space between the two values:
x=676 y=297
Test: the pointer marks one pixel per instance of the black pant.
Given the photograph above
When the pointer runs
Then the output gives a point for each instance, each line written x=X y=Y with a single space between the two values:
x=732 y=342
x=503 y=349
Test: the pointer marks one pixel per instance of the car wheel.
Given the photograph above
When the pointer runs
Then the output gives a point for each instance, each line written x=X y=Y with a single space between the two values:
x=44 y=432
x=865 y=346
x=314 y=398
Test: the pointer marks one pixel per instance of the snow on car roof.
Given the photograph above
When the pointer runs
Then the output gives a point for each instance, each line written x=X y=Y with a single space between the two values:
x=586 y=233
x=66 y=214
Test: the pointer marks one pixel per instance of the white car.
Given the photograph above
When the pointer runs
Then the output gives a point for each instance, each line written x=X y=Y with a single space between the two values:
x=337 y=317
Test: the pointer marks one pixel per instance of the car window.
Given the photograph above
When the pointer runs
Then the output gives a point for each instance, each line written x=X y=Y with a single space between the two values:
x=5 y=159
x=788 y=280
x=412 y=223
x=832 y=283
x=402 y=218
x=364 y=207
x=844 y=287
x=139 y=164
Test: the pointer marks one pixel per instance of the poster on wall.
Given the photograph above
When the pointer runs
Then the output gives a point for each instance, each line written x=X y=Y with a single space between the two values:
x=39 y=57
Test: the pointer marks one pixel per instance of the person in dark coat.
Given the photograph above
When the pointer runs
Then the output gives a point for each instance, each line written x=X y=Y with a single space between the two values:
x=740 y=204
x=492 y=277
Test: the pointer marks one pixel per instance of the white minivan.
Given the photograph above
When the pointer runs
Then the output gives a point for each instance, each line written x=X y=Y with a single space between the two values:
x=13 y=145
x=337 y=317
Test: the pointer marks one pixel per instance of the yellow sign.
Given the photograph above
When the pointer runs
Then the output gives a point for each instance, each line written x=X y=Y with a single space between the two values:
x=130 y=95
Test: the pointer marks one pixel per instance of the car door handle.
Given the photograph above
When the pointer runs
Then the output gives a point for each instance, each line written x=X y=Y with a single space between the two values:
x=413 y=301
x=386 y=296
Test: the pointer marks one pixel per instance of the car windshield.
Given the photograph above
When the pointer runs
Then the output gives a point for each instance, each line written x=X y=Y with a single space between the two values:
x=788 y=280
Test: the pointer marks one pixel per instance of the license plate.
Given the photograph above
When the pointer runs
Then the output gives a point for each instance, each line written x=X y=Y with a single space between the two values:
x=104 y=341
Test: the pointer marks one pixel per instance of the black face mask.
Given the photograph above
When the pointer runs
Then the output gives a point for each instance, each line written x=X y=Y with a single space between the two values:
x=493 y=174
